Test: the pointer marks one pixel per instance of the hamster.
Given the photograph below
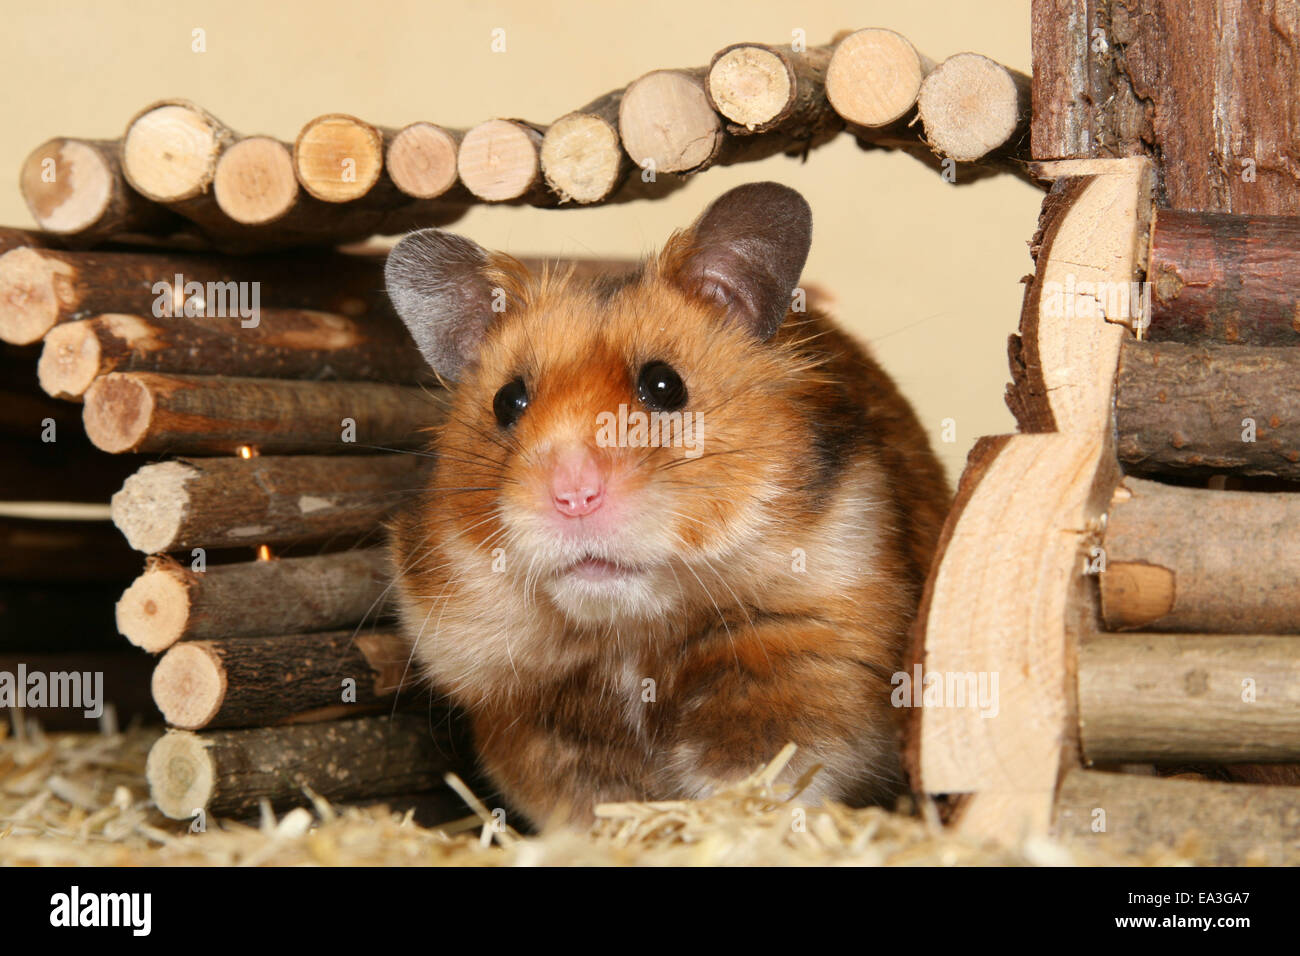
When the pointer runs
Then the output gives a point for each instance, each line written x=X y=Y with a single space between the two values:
x=672 y=523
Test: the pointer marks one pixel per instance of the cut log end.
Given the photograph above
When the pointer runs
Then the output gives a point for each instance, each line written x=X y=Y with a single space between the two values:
x=69 y=362
x=153 y=611
x=170 y=152
x=875 y=77
x=750 y=85
x=422 y=160
x=117 y=413
x=582 y=158
x=189 y=685
x=31 y=288
x=255 y=182
x=67 y=184
x=498 y=160
x=150 y=508
x=182 y=775
x=970 y=106
x=338 y=158
x=665 y=119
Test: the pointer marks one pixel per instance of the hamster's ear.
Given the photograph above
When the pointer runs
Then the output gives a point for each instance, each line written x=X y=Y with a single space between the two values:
x=437 y=284
x=746 y=253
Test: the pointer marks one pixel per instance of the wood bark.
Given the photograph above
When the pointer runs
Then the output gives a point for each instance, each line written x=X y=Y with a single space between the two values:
x=74 y=188
x=229 y=773
x=1191 y=559
x=11 y=238
x=41 y=287
x=170 y=602
x=1224 y=279
x=1222 y=824
x=973 y=107
x=285 y=343
x=260 y=681
x=202 y=414
x=1209 y=90
x=218 y=503
x=1190 y=409
x=1189 y=697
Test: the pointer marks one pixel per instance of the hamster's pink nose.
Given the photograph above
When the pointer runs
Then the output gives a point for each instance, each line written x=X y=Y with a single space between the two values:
x=577 y=486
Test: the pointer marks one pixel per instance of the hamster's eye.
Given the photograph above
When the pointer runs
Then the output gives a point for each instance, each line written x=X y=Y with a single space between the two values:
x=660 y=387
x=510 y=401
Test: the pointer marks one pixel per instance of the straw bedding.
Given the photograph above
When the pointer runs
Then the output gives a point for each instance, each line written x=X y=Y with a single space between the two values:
x=81 y=799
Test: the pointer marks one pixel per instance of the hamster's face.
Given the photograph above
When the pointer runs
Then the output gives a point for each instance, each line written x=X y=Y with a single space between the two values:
x=614 y=449
x=620 y=451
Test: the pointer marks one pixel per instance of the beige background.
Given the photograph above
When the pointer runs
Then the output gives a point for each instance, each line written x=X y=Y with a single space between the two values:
x=926 y=271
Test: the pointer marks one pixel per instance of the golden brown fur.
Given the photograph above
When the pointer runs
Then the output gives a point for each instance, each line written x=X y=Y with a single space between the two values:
x=780 y=569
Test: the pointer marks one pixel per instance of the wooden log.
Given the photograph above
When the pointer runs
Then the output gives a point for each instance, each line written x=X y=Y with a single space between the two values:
x=668 y=126
x=291 y=678
x=1221 y=824
x=208 y=414
x=259 y=205
x=117 y=677
x=34 y=549
x=760 y=88
x=972 y=107
x=170 y=602
x=254 y=183
x=285 y=343
x=1189 y=409
x=41 y=287
x=581 y=154
x=228 y=773
x=1190 y=559
x=1189 y=697
x=1196 y=88
x=339 y=158
x=500 y=161
x=1224 y=279
x=169 y=155
x=219 y=503
x=421 y=161
x=874 y=77
x=75 y=188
